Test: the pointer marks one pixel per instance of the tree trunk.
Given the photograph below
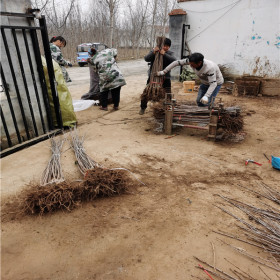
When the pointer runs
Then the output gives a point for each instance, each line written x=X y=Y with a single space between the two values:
x=112 y=8
x=152 y=37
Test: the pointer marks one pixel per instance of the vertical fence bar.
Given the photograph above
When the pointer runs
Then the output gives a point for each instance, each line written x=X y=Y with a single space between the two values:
x=43 y=83
x=45 y=39
x=10 y=103
x=182 y=49
x=15 y=82
x=16 y=61
x=24 y=82
x=183 y=41
x=33 y=79
x=6 y=128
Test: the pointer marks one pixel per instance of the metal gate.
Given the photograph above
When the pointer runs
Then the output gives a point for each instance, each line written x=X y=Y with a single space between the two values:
x=26 y=111
x=185 y=49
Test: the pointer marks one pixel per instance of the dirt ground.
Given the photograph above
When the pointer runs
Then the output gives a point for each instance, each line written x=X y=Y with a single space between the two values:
x=155 y=231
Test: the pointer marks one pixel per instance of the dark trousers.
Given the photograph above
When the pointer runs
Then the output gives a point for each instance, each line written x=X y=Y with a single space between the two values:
x=166 y=84
x=115 y=96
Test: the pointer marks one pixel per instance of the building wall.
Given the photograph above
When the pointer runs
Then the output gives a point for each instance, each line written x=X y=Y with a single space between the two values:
x=176 y=21
x=241 y=34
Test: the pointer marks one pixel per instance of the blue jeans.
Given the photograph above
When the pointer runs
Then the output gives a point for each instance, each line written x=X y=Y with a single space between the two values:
x=201 y=92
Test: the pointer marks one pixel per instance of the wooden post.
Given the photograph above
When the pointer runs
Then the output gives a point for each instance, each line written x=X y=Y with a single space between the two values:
x=168 y=119
x=213 y=127
x=169 y=109
x=214 y=118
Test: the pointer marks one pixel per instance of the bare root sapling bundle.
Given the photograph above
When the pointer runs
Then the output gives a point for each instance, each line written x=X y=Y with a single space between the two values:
x=55 y=193
x=53 y=171
x=98 y=180
x=53 y=197
x=231 y=124
x=154 y=90
x=84 y=161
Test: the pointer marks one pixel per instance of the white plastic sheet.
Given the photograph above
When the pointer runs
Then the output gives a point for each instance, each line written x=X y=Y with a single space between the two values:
x=80 y=105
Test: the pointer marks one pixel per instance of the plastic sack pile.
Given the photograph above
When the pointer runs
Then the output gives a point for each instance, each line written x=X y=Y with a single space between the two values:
x=65 y=99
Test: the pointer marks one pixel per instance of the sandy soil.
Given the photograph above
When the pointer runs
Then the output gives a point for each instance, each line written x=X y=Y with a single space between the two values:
x=155 y=231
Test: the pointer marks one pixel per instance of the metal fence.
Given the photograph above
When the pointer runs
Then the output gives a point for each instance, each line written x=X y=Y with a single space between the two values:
x=185 y=49
x=26 y=107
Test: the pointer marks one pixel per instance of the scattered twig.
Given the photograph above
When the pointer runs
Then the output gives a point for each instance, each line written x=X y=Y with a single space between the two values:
x=224 y=274
x=264 y=273
x=214 y=256
x=205 y=271
x=238 y=268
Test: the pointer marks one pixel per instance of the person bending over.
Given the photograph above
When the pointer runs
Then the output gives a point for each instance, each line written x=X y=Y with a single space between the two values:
x=110 y=76
x=209 y=74
x=94 y=91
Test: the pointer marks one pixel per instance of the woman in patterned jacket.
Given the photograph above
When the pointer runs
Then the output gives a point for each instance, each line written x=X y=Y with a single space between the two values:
x=56 y=43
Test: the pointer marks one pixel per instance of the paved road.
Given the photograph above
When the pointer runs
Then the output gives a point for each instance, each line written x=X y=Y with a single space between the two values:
x=80 y=75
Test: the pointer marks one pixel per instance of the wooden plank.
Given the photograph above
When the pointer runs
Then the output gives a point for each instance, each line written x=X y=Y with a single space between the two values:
x=267 y=86
x=270 y=91
x=242 y=82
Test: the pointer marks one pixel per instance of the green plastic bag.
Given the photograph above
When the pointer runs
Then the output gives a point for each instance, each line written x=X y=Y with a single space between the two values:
x=65 y=100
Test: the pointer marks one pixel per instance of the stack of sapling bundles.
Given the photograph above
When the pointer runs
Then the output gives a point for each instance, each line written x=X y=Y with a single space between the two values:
x=53 y=193
x=98 y=180
x=154 y=90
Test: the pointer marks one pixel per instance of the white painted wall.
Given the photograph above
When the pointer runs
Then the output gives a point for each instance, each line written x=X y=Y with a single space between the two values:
x=244 y=34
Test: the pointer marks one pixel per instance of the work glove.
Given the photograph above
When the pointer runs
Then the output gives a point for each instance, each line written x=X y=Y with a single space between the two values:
x=204 y=100
x=70 y=64
x=160 y=73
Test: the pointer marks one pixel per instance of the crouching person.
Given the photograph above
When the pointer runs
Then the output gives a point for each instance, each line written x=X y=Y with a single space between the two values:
x=209 y=74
